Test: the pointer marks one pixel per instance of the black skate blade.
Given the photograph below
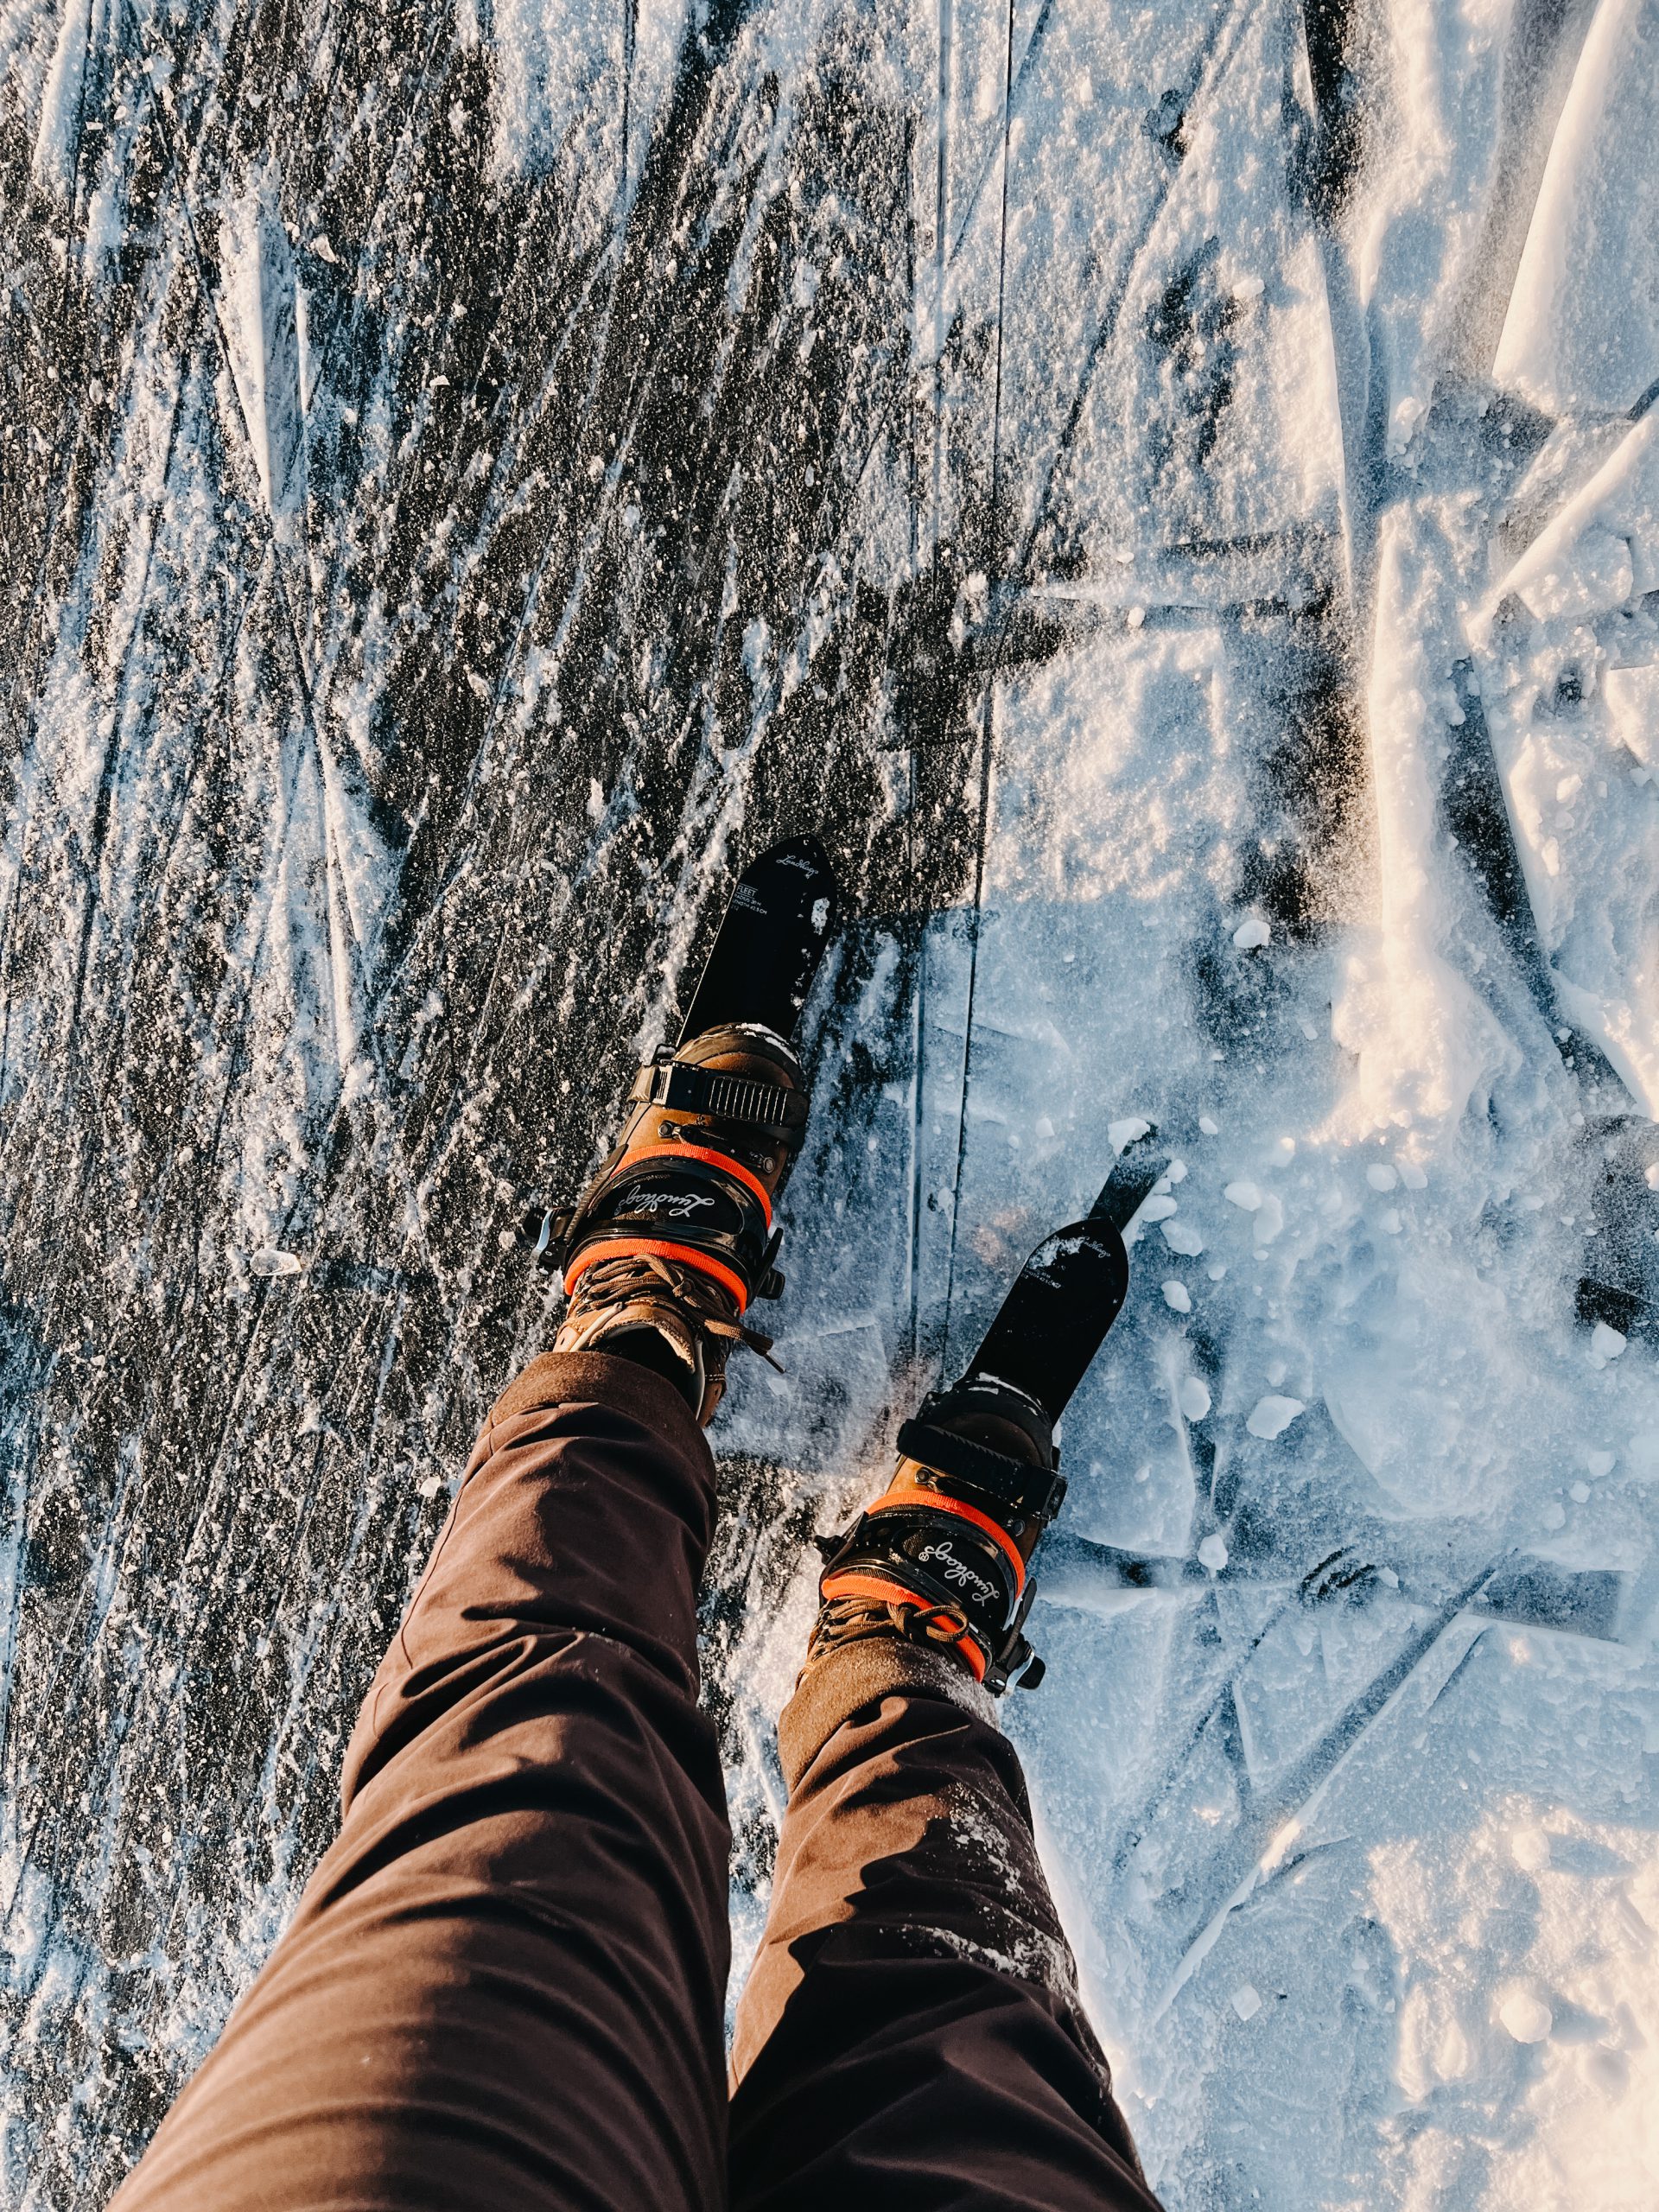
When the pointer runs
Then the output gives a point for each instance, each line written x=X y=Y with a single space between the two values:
x=1071 y=1289
x=772 y=939
x=1134 y=1174
x=1055 y=1318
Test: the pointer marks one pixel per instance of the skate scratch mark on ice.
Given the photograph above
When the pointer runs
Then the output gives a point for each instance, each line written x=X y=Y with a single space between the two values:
x=630 y=36
x=233 y=990
x=988 y=711
x=304 y=1650
x=941 y=219
x=918 y=995
x=64 y=513
x=61 y=508
x=629 y=261
x=949 y=254
x=504 y=488
x=383 y=202
x=30 y=1395
x=76 y=219
x=1271 y=1832
x=459 y=850
x=148 y=1686
x=1014 y=85
x=115 y=1535
x=1213 y=58
x=23 y=794
x=99 y=831
x=78 y=1651
x=348 y=962
x=946 y=257
x=456 y=860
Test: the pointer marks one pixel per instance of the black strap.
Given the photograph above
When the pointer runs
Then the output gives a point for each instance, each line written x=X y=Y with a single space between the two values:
x=886 y=1543
x=683 y=1090
x=1013 y=1484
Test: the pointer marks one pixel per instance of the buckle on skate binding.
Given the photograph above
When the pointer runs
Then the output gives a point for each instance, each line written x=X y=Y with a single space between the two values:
x=766 y=1108
x=679 y=1201
x=544 y=1229
x=1016 y=1666
x=1010 y=1485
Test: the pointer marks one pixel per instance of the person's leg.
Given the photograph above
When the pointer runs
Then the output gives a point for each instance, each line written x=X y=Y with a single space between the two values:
x=504 y=1987
x=910 y=2035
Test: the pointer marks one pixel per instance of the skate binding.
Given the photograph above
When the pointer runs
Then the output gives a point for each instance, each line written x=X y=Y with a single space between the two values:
x=942 y=1556
x=674 y=1234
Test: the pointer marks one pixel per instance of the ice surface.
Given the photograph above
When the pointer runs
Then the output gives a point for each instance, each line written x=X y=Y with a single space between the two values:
x=1582 y=330
x=1584 y=806
x=1168 y=491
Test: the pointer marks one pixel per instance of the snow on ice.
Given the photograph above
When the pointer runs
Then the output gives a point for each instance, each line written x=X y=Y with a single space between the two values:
x=1171 y=492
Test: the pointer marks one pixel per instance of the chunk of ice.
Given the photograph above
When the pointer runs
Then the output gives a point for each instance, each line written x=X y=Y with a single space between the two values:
x=1529 y=1848
x=1193 y=1399
x=1269 y=1220
x=268 y=1260
x=1527 y=2018
x=1274 y=1415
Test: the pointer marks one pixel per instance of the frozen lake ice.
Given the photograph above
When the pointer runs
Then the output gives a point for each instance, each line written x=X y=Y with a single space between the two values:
x=1171 y=493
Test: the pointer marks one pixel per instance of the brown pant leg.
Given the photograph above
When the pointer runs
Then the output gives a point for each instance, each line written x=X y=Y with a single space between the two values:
x=911 y=2035
x=503 y=1988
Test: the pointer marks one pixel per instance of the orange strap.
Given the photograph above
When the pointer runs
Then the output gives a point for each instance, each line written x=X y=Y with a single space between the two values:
x=638 y=1248
x=727 y=1165
x=876 y=1585
x=936 y=1500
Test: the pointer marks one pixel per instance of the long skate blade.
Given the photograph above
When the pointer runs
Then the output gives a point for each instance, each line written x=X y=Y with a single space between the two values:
x=771 y=939
x=1055 y=1317
x=1129 y=1187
